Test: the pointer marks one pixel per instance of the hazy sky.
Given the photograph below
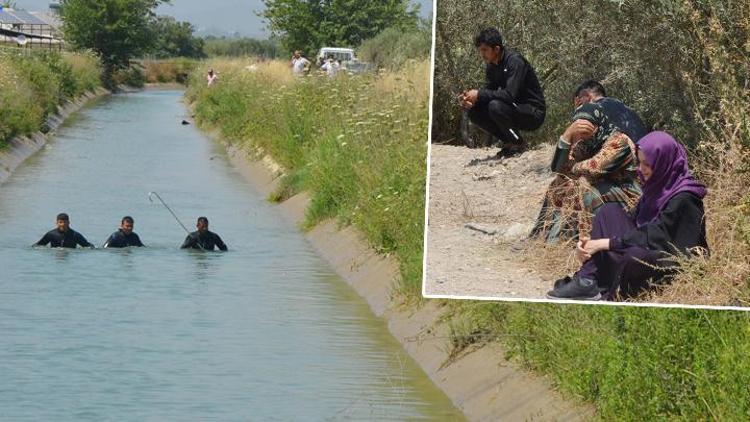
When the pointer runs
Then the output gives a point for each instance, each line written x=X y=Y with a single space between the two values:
x=216 y=16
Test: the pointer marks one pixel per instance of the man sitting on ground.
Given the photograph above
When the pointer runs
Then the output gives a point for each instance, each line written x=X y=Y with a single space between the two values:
x=63 y=236
x=622 y=116
x=511 y=101
x=202 y=238
x=596 y=164
x=124 y=236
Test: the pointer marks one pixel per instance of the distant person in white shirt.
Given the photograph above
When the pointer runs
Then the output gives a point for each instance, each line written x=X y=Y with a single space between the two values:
x=331 y=66
x=211 y=77
x=299 y=64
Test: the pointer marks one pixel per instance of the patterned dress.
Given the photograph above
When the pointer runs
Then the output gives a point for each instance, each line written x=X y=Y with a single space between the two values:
x=597 y=170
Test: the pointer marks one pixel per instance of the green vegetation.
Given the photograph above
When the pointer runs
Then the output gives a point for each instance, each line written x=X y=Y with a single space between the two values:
x=684 y=67
x=175 y=70
x=32 y=86
x=357 y=144
x=175 y=39
x=394 y=46
x=307 y=26
x=244 y=47
x=119 y=31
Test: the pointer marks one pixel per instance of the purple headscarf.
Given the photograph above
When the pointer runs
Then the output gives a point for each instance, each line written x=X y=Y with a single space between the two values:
x=670 y=176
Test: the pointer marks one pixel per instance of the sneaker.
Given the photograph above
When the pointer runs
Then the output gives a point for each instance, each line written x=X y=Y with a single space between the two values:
x=576 y=289
x=561 y=282
x=512 y=150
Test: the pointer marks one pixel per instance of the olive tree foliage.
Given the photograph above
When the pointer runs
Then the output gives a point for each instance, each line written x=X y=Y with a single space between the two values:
x=117 y=30
x=310 y=24
x=676 y=62
x=175 y=39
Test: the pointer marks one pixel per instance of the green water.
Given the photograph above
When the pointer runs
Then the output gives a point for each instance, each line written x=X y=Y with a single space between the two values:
x=264 y=332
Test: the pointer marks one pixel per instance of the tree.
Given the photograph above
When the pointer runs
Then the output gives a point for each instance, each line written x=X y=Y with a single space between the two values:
x=117 y=30
x=310 y=24
x=175 y=39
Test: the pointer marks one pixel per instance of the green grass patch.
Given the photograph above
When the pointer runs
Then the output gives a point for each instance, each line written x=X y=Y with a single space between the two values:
x=356 y=143
x=32 y=86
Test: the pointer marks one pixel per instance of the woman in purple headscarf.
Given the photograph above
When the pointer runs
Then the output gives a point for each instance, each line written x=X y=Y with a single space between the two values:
x=668 y=221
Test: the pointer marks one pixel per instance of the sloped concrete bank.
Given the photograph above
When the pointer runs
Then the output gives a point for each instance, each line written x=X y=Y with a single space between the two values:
x=480 y=383
x=22 y=147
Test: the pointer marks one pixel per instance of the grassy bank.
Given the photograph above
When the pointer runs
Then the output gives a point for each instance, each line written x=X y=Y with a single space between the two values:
x=356 y=143
x=683 y=66
x=32 y=86
x=174 y=70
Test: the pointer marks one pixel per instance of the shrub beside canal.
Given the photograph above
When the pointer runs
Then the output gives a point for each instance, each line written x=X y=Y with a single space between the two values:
x=33 y=86
x=356 y=143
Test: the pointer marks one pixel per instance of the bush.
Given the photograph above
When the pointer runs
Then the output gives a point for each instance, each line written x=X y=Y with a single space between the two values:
x=32 y=86
x=168 y=71
x=654 y=55
x=394 y=46
x=132 y=76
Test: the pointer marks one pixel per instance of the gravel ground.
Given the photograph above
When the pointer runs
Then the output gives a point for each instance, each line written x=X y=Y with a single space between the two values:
x=478 y=207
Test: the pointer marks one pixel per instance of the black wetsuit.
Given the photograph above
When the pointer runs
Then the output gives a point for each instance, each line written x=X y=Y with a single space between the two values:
x=69 y=239
x=206 y=241
x=119 y=239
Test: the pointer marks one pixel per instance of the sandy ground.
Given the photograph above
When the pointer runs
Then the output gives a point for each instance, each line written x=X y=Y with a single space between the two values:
x=481 y=383
x=478 y=207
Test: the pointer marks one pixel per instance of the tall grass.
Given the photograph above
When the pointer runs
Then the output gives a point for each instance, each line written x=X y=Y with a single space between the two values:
x=33 y=86
x=356 y=143
x=176 y=70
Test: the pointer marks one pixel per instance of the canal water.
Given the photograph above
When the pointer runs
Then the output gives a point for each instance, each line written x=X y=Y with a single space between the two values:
x=265 y=331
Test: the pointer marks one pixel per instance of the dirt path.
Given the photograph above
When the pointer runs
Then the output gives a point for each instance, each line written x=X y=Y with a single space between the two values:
x=478 y=206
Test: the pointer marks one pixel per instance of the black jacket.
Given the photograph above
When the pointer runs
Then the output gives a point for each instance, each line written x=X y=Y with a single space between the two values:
x=119 y=239
x=512 y=81
x=69 y=239
x=677 y=228
x=207 y=241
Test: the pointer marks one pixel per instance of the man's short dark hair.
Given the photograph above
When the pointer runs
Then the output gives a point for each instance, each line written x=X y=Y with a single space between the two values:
x=203 y=219
x=490 y=37
x=127 y=218
x=590 y=85
x=62 y=216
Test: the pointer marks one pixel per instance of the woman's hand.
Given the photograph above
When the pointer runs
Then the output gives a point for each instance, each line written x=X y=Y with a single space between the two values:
x=586 y=248
x=581 y=254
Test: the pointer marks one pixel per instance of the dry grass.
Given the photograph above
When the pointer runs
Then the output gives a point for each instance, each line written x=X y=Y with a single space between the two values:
x=723 y=278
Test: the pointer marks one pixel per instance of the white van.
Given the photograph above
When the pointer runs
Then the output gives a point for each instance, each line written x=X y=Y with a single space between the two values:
x=346 y=55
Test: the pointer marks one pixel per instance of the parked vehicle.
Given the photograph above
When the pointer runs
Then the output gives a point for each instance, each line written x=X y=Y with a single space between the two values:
x=349 y=62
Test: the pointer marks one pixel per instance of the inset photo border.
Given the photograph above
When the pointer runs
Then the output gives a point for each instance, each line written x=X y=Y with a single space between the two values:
x=588 y=152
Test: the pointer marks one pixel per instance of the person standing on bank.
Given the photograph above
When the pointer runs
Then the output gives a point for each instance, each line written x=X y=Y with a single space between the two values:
x=202 y=238
x=512 y=99
x=124 y=236
x=63 y=236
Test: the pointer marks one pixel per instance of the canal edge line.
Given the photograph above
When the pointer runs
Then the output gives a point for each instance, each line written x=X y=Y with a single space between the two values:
x=480 y=383
x=20 y=148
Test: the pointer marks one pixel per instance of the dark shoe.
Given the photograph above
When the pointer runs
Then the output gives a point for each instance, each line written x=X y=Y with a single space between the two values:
x=511 y=150
x=561 y=282
x=576 y=289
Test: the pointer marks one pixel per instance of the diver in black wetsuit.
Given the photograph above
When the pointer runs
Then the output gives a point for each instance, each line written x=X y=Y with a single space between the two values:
x=125 y=236
x=202 y=238
x=63 y=236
